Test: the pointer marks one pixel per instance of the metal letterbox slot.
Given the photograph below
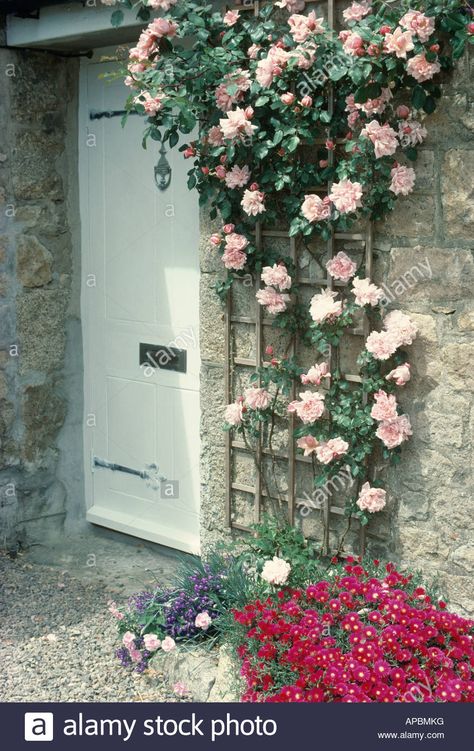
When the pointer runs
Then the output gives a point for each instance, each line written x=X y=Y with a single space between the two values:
x=163 y=357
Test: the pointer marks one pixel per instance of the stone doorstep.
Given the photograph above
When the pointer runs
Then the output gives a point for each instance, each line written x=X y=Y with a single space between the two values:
x=210 y=675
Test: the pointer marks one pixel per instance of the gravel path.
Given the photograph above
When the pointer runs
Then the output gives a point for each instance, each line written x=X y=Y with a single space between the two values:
x=58 y=639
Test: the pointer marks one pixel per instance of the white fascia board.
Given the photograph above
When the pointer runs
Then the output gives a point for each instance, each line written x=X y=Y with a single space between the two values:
x=71 y=25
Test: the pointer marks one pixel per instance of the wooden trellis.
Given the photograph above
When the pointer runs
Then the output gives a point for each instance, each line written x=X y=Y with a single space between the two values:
x=259 y=321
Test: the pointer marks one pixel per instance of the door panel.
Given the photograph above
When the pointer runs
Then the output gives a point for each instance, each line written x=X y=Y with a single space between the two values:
x=140 y=283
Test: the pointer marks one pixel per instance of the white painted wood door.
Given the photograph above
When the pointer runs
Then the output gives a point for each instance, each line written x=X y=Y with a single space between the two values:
x=140 y=282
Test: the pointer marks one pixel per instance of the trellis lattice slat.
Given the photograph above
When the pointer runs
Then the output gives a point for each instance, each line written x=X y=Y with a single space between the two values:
x=260 y=322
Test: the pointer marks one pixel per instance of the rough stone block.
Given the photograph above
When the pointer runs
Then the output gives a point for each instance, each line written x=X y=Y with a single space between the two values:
x=458 y=193
x=414 y=216
x=426 y=277
x=43 y=414
x=34 y=171
x=41 y=329
x=34 y=262
x=211 y=321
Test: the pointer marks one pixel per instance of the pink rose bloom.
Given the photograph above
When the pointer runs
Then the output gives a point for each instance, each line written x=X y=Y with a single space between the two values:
x=271 y=66
x=275 y=302
x=215 y=136
x=276 y=276
x=316 y=209
x=316 y=374
x=371 y=499
x=203 y=620
x=324 y=306
x=403 y=180
x=346 y=196
x=301 y=27
x=161 y=4
x=421 y=69
x=233 y=258
x=253 y=50
x=168 y=644
x=308 y=443
x=235 y=241
x=411 y=132
x=115 y=611
x=385 y=407
x=421 y=25
x=236 y=124
x=253 y=202
x=135 y=654
x=381 y=344
x=403 y=111
x=180 y=689
x=378 y=105
x=365 y=292
x=356 y=11
x=400 y=42
x=394 y=432
x=383 y=137
x=161 y=27
x=233 y=414
x=288 y=98
x=352 y=42
x=291 y=5
x=401 y=327
x=224 y=100
x=234 y=254
x=229 y=228
x=231 y=17
x=305 y=55
x=152 y=642
x=257 y=398
x=237 y=177
x=341 y=267
x=128 y=639
x=332 y=449
x=215 y=240
x=310 y=408
x=221 y=171
x=401 y=374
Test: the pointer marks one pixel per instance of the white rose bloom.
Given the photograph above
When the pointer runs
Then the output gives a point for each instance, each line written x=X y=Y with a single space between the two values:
x=276 y=571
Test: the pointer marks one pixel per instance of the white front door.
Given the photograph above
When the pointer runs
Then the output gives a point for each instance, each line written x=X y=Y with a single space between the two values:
x=140 y=282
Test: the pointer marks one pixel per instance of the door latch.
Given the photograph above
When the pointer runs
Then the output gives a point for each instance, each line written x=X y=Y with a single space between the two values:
x=151 y=473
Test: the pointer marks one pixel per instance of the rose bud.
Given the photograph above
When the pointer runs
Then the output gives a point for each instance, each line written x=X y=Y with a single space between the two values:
x=323 y=163
x=249 y=113
x=274 y=362
x=281 y=152
x=254 y=186
x=269 y=350
x=228 y=228
x=223 y=159
x=288 y=98
x=470 y=28
x=360 y=52
x=434 y=48
x=205 y=170
x=403 y=111
x=373 y=50
x=189 y=152
x=297 y=109
x=221 y=171
x=330 y=145
x=215 y=240
x=385 y=30
x=307 y=101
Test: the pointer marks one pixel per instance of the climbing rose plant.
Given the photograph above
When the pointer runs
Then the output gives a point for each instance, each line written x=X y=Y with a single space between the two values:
x=286 y=106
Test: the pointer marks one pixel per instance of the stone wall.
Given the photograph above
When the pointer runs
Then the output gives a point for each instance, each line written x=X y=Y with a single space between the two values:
x=424 y=257
x=425 y=252
x=40 y=340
